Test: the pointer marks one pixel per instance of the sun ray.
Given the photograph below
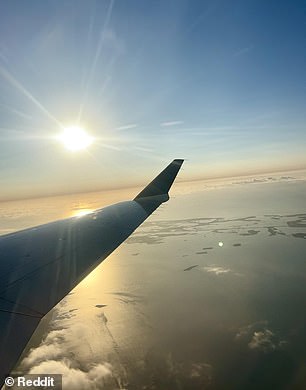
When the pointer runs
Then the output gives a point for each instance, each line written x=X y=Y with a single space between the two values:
x=16 y=112
x=10 y=78
x=95 y=59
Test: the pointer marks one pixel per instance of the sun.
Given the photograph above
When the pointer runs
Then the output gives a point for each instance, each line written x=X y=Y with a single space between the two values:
x=75 y=138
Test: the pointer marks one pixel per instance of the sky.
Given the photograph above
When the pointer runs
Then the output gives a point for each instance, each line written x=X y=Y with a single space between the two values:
x=219 y=83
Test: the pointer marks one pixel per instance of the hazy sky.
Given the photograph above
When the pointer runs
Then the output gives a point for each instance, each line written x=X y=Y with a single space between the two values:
x=219 y=83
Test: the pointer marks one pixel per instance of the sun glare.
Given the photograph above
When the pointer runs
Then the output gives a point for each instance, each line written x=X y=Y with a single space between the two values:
x=82 y=212
x=75 y=138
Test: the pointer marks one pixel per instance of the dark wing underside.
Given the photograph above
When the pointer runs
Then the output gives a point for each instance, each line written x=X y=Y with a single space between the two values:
x=41 y=265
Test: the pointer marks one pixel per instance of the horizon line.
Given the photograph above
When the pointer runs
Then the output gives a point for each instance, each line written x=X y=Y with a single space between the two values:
x=196 y=179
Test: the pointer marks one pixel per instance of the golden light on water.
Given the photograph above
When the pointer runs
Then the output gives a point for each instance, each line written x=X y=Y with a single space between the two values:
x=75 y=138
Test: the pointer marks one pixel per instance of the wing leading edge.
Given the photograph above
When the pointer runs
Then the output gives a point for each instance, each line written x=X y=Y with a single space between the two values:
x=41 y=265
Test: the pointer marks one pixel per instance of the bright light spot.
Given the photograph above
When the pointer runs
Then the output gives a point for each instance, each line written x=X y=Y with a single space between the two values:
x=82 y=212
x=220 y=243
x=75 y=138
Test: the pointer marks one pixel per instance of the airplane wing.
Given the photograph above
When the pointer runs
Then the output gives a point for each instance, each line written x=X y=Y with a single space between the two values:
x=41 y=265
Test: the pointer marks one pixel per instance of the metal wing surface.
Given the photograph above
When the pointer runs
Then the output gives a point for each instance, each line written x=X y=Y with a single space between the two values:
x=41 y=265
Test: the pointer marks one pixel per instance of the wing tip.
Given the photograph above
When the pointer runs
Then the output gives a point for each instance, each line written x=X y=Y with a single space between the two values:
x=178 y=161
x=162 y=183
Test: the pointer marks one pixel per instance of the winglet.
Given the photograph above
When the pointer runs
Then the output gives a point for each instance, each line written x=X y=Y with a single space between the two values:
x=157 y=190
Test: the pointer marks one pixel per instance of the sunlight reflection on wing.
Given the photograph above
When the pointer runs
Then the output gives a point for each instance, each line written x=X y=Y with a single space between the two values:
x=82 y=212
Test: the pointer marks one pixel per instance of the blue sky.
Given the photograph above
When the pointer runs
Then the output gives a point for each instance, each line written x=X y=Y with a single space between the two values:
x=219 y=83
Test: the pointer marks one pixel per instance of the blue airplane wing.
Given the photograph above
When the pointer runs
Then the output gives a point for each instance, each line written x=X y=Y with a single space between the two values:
x=39 y=266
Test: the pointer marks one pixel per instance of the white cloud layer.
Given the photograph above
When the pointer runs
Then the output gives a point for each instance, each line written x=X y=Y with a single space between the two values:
x=53 y=356
x=74 y=378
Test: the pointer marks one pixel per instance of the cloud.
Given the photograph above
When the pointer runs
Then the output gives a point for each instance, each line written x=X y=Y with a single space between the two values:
x=262 y=340
x=74 y=378
x=264 y=179
x=17 y=213
x=216 y=270
x=49 y=349
x=126 y=127
x=199 y=370
x=248 y=329
x=171 y=123
x=86 y=371
x=185 y=374
x=53 y=355
x=42 y=353
x=259 y=337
